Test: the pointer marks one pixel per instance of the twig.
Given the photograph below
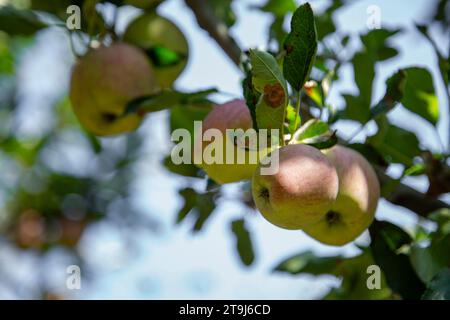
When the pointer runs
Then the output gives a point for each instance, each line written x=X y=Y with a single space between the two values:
x=216 y=29
x=410 y=198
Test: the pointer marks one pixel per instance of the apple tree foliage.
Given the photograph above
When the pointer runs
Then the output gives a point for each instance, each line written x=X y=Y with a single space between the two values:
x=286 y=86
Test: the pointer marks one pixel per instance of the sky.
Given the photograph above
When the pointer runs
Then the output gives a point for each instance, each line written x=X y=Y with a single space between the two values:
x=174 y=263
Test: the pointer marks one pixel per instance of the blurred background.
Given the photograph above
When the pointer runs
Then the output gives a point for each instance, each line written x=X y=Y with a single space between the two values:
x=110 y=205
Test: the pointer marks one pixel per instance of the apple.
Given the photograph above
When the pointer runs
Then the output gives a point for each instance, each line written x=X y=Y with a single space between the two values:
x=231 y=115
x=356 y=203
x=164 y=44
x=104 y=81
x=302 y=190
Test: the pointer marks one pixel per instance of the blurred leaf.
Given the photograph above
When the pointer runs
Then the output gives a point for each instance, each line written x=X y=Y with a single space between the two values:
x=166 y=99
x=223 y=11
x=353 y=272
x=429 y=260
x=308 y=262
x=370 y=153
x=387 y=240
x=251 y=96
x=439 y=287
x=397 y=145
x=313 y=91
x=277 y=32
x=395 y=87
x=325 y=141
x=268 y=80
x=442 y=218
x=420 y=96
x=92 y=22
x=279 y=7
x=300 y=46
x=24 y=151
x=57 y=8
x=244 y=244
x=19 y=22
x=6 y=56
x=311 y=128
x=324 y=20
x=93 y=141
x=317 y=134
x=292 y=118
x=375 y=43
x=184 y=116
x=186 y=170
x=444 y=63
x=415 y=170
x=197 y=205
x=189 y=195
x=358 y=106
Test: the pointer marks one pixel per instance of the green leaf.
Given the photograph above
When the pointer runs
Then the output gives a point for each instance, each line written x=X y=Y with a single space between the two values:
x=292 y=118
x=415 y=170
x=375 y=43
x=189 y=195
x=312 y=128
x=325 y=141
x=184 y=117
x=386 y=244
x=313 y=91
x=358 y=107
x=444 y=63
x=300 y=46
x=420 y=96
x=395 y=87
x=428 y=261
x=370 y=153
x=397 y=145
x=439 y=287
x=364 y=61
x=186 y=170
x=198 y=206
x=317 y=134
x=166 y=99
x=324 y=20
x=268 y=80
x=279 y=7
x=19 y=22
x=308 y=262
x=251 y=96
x=244 y=244
x=265 y=70
x=277 y=32
x=223 y=11
x=353 y=272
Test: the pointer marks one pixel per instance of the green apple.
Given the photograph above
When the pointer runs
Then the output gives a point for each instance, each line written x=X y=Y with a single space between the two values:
x=104 y=81
x=231 y=115
x=357 y=200
x=164 y=44
x=302 y=190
